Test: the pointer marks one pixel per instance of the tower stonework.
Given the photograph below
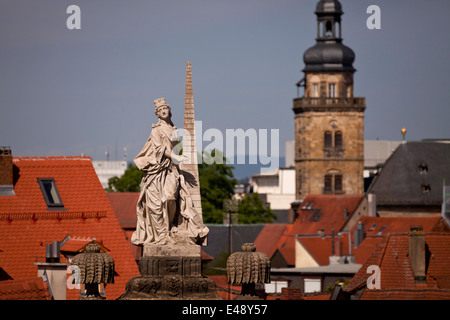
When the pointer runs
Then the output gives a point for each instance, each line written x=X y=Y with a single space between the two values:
x=329 y=120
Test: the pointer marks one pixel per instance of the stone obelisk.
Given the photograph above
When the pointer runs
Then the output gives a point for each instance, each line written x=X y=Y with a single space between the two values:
x=190 y=169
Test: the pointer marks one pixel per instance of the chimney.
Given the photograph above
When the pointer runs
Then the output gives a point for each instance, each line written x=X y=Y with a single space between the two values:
x=332 y=242
x=53 y=271
x=6 y=172
x=358 y=234
x=372 y=205
x=417 y=254
x=52 y=252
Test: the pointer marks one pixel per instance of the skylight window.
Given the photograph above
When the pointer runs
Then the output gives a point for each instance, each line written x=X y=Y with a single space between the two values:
x=50 y=193
x=380 y=232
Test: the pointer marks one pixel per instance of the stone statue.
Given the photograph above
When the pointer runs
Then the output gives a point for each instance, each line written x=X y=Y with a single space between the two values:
x=170 y=226
x=166 y=215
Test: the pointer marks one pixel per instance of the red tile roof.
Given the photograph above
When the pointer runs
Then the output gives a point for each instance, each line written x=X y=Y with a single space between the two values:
x=397 y=279
x=320 y=247
x=30 y=289
x=381 y=226
x=26 y=226
x=406 y=294
x=324 y=212
x=267 y=240
x=124 y=205
x=318 y=212
x=376 y=228
x=366 y=248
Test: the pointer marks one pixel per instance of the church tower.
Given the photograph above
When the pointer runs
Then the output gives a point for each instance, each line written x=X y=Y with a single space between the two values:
x=329 y=120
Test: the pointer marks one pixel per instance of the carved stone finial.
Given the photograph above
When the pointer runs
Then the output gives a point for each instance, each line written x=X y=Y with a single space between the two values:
x=94 y=268
x=248 y=267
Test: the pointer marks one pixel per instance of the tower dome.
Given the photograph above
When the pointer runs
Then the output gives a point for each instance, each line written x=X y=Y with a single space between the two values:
x=329 y=57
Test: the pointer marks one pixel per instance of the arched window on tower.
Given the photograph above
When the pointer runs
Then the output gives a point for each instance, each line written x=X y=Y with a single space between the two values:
x=338 y=139
x=333 y=146
x=328 y=184
x=333 y=182
x=328 y=139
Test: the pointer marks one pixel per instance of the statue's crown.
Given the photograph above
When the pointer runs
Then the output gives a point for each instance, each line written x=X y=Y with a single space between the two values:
x=159 y=103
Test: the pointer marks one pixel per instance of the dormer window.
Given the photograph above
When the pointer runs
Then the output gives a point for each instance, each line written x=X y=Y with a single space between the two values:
x=50 y=193
x=423 y=168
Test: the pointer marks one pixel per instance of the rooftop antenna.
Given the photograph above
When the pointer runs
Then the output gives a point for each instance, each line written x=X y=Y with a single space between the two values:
x=107 y=153
x=115 y=150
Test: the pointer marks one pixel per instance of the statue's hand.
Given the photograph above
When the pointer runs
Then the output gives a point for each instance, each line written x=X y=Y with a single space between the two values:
x=177 y=159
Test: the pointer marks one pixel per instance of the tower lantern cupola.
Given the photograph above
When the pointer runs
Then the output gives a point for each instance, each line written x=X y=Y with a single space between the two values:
x=329 y=20
x=329 y=54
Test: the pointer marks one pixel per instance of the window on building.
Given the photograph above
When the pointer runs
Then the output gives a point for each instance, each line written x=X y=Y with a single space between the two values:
x=328 y=183
x=338 y=183
x=423 y=168
x=312 y=285
x=338 y=139
x=333 y=183
x=275 y=286
x=315 y=92
x=333 y=143
x=332 y=90
x=50 y=193
x=426 y=188
x=328 y=139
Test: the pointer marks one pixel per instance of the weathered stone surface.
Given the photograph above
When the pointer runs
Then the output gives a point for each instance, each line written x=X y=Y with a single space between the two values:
x=170 y=277
x=182 y=250
x=248 y=267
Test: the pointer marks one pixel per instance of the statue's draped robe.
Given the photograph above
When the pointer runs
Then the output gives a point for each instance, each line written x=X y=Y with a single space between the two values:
x=165 y=214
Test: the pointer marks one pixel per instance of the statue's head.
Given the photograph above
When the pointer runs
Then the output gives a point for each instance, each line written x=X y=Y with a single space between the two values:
x=161 y=103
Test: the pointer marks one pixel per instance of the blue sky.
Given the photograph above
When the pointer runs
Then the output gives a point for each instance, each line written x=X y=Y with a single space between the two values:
x=68 y=92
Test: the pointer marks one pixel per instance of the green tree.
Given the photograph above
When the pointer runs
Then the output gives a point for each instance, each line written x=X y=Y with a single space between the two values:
x=217 y=184
x=251 y=209
x=129 y=182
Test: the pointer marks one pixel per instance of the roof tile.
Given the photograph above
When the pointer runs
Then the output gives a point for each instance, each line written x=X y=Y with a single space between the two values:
x=397 y=279
x=88 y=215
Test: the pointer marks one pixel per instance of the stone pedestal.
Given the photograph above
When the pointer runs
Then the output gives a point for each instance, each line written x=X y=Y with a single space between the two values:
x=170 y=272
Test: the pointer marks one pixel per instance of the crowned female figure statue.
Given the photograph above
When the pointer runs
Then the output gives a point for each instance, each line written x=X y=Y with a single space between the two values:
x=165 y=213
